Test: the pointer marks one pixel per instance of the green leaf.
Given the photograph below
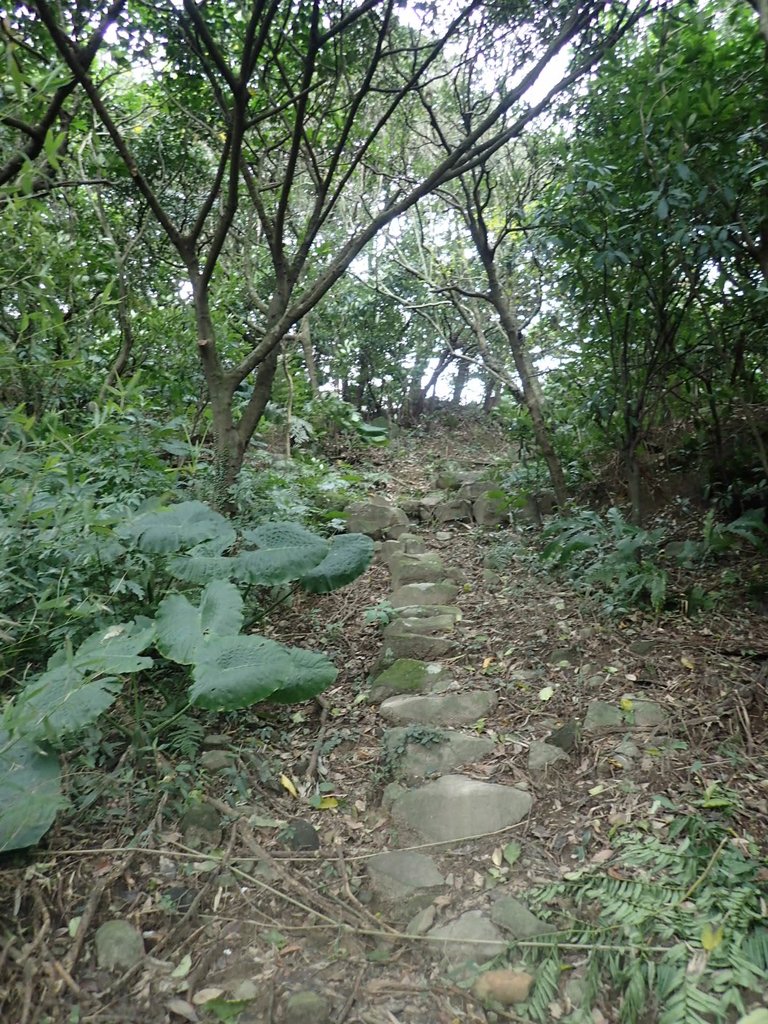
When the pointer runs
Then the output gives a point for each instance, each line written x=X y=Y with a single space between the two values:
x=235 y=672
x=202 y=569
x=286 y=552
x=30 y=792
x=349 y=557
x=182 y=628
x=179 y=526
x=115 y=650
x=59 y=702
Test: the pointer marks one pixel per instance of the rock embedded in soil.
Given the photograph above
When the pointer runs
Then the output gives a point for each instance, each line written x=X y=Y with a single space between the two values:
x=602 y=715
x=456 y=510
x=119 y=945
x=302 y=835
x=647 y=713
x=471 y=937
x=442 y=752
x=443 y=709
x=505 y=986
x=516 y=919
x=543 y=755
x=491 y=510
x=422 y=594
x=406 y=676
x=201 y=827
x=426 y=568
x=377 y=518
x=429 y=503
x=427 y=624
x=307 y=1007
x=455 y=807
x=416 y=646
x=217 y=760
x=405 y=877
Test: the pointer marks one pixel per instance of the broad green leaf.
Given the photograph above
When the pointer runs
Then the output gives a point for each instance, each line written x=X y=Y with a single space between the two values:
x=235 y=672
x=179 y=527
x=202 y=568
x=30 y=792
x=286 y=551
x=349 y=557
x=59 y=702
x=182 y=628
x=115 y=650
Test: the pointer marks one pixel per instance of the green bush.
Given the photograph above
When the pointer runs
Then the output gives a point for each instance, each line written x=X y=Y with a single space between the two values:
x=608 y=556
x=198 y=627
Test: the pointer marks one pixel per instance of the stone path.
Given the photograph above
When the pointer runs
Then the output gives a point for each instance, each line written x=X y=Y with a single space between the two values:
x=432 y=740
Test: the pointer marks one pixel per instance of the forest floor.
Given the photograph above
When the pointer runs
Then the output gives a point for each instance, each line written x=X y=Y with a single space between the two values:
x=242 y=921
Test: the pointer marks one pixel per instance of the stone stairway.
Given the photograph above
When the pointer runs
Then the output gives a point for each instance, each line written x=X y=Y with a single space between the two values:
x=432 y=740
x=440 y=813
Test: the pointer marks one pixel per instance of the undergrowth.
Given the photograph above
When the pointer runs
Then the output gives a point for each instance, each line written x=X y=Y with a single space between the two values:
x=670 y=929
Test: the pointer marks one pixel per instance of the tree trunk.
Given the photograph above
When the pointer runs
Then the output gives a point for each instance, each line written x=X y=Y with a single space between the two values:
x=460 y=382
x=305 y=337
x=532 y=395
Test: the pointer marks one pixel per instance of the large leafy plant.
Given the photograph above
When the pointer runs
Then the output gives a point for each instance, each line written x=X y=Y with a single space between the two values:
x=201 y=629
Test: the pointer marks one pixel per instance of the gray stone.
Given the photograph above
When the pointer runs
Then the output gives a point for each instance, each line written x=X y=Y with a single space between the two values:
x=456 y=510
x=301 y=834
x=471 y=937
x=423 y=594
x=200 y=826
x=442 y=752
x=421 y=922
x=448 y=478
x=307 y=1007
x=429 y=503
x=412 y=544
x=567 y=737
x=642 y=647
x=473 y=490
x=376 y=517
x=627 y=750
x=392 y=792
x=602 y=715
x=542 y=755
x=491 y=509
x=439 y=709
x=388 y=548
x=417 y=646
x=216 y=739
x=401 y=874
x=569 y=655
x=432 y=623
x=406 y=675
x=514 y=917
x=491 y=579
x=443 y=535
x=415 y=611
x=454 y=808
x=217 y=760
x=119 y=945
x=648 y=714
x=426 y=568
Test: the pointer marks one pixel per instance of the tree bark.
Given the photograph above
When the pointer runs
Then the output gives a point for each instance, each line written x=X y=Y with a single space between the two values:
x=305 y=337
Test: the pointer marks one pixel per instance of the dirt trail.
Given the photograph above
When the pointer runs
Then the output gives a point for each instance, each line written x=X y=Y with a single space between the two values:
x=275 y=932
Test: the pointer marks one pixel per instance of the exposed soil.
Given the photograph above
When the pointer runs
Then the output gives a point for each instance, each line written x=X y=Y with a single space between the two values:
x=257 y=919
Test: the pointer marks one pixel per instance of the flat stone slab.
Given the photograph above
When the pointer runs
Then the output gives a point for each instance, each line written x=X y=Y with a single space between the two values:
x=407 y=675
x=435 y=754
x=471 y=937
x=542 y=755
x=602 y=715
x=423 y=594
x=516 y=919
x=377 y=518
x=416 y=611
x=455 y=510
x=417 y=646
x=426 y=568
x=439 y=709
x=427 y=625
x=397 y=875
x=455 y=807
